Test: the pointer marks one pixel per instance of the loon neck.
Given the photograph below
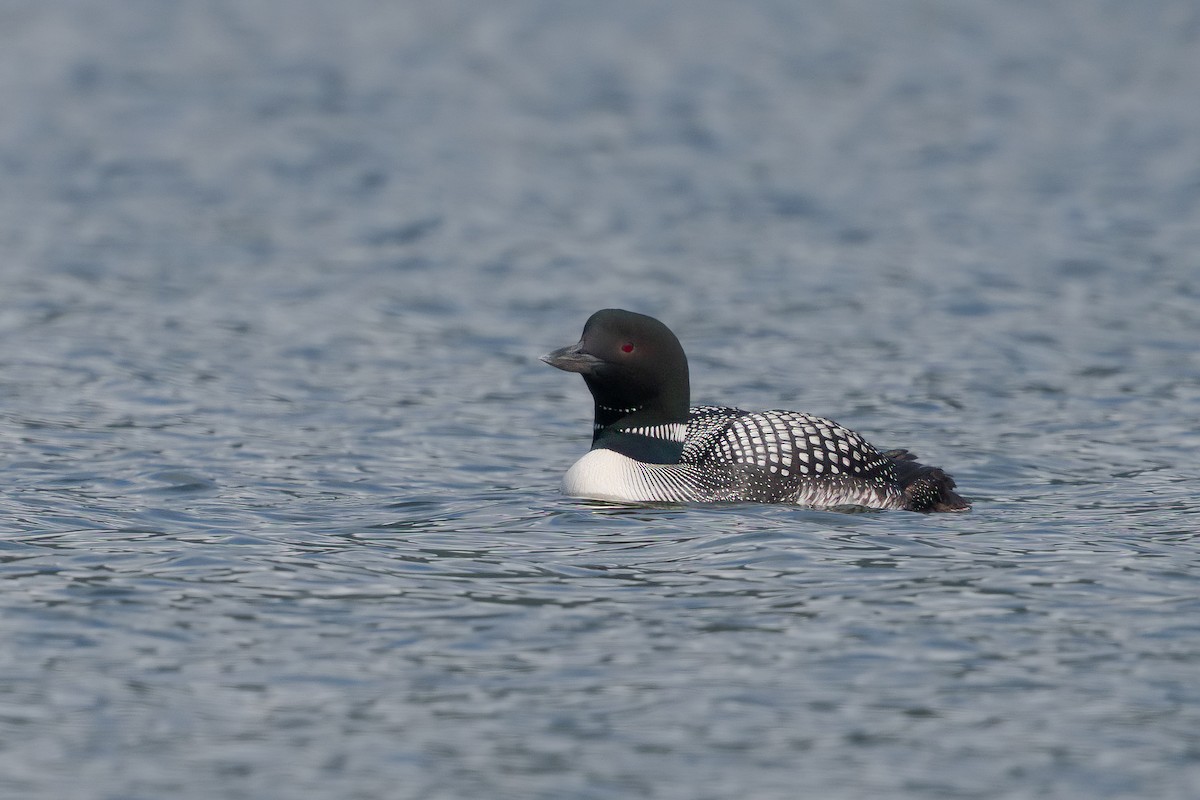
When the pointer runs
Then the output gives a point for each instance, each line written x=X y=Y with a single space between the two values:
x=644 y=434
x=646 y=420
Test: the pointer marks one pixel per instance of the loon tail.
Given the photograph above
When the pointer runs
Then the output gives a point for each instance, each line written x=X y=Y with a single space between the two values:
x=925 y=488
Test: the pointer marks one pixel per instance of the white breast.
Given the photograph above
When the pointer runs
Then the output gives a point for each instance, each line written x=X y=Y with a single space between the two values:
x=608 y=475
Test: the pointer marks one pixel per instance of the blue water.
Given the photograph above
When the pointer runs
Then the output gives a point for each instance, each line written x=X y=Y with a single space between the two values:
x=279 y=514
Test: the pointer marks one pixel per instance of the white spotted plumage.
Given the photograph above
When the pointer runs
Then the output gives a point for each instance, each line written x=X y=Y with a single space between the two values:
x=789 y=456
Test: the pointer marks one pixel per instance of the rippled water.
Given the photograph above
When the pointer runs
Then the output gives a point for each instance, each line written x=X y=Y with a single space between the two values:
x=280 y=513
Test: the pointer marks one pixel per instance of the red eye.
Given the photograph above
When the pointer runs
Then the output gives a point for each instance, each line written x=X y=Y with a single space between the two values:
x=627 y=348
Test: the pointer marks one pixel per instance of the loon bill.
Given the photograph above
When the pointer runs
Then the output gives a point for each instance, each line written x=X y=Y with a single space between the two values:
x=648 y=445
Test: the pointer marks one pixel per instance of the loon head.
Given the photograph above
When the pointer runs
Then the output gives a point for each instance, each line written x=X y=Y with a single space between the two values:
x=634 y=367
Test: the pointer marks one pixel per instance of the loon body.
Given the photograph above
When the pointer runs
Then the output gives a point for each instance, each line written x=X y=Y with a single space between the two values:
x=648 y=445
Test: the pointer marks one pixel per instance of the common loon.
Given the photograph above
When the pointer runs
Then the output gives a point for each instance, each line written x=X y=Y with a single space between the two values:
x=648 y=446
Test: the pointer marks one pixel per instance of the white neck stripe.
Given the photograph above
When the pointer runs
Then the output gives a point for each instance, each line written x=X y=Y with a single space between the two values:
x=673 y=431
x=618 y=410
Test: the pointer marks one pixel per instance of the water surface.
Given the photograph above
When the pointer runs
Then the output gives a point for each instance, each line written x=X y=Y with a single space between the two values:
x=279 y=513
